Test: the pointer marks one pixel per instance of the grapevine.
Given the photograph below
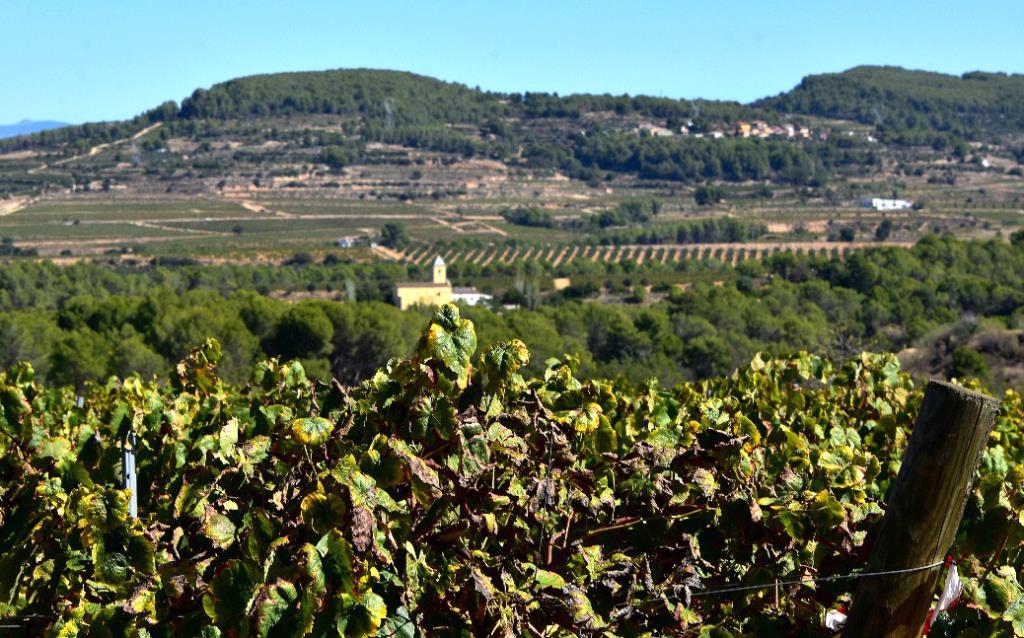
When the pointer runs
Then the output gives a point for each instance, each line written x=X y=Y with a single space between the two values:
x=450 y=496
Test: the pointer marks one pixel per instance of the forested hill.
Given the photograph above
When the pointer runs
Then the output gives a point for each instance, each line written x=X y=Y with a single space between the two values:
x=895 y=99
x=408 y=98
x=400 y=99
x=331 y=119
x=401 y=107
x=892 y=98
x=404 y=98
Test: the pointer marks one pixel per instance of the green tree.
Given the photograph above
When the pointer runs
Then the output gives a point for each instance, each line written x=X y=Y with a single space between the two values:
x=883 y=230
x=393 y=235
x=638 y=294
x=130 y=354
x=706 y=195
x=81 y=355
x=968 y=364
x=338 y=157
x=366 y=335
x=303 y=331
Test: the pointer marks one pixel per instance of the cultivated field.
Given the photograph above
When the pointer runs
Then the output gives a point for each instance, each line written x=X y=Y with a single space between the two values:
x=453 y=205
x=556 y=255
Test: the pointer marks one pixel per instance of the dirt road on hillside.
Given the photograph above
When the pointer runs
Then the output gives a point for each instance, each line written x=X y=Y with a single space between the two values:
x=95 y=150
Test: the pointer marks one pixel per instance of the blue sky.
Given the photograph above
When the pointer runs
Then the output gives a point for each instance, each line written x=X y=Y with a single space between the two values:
x=89 y=60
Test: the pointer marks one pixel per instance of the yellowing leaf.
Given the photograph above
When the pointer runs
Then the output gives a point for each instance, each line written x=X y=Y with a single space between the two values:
x=312 y=430
x=219 y=528
x=450 y=341
x=546 y=579
x=322 y=512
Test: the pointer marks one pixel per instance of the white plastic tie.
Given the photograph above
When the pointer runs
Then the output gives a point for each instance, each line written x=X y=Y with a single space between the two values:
x=834 y=620
x=951 y=591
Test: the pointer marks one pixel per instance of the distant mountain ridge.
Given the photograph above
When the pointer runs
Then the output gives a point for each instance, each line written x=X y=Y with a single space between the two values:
x=905 y=106
x=27 y=127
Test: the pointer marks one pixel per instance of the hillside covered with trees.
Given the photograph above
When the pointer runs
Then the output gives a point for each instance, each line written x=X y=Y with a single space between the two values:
x=975 y=105
x=299 y=126
x=391 y=100
x=403 y=99
x=891 y=98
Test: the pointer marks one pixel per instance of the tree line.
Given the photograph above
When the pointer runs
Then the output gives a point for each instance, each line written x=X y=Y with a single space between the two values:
x=946 y=296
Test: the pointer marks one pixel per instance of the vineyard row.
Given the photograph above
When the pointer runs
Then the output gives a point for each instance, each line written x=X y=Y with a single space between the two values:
x=665 y=253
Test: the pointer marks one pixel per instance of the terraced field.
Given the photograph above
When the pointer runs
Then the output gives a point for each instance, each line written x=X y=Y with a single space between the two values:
x=98 y=210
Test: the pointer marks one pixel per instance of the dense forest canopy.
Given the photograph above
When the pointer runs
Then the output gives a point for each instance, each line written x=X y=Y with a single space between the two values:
x=686 y=159
x=402 y=98
x=409 y=99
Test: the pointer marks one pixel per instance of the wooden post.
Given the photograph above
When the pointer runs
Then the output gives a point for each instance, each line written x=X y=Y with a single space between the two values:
x=923 y=513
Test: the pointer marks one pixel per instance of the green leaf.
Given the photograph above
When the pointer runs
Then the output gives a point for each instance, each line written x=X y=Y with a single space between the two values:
x=476 y=451
x=582 y=610
x=450 y=341
x=313 y=568
x=791 y=524
x=501 y=364
x=583 y=420
x=336 y=555
x=826 y=511
x=312 y=430
x=399 y=624
x=57 y=448
x=1015 y=616
x=142 y=600
x=218 y=528
x=192 y=500
x=547 y=579
x=666 y=436
x=362 y=616
x=482 y=584
x=1002 y=589
x=705 y=480
x=110 y=568
x=743 y=426
x=102 y=510
x=229 y=594
x=254 y=451
x=271 y=617
x=426 y=484
x=228 y=437
x=322 y=512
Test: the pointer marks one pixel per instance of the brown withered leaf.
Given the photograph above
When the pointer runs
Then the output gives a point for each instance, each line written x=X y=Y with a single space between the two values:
x=362 y=528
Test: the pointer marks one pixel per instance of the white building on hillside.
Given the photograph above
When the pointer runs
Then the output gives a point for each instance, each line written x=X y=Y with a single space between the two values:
x=879 y=203
x=470 y=296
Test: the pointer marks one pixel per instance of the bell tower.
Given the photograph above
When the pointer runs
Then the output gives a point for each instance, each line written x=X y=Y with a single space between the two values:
x=440 y=272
